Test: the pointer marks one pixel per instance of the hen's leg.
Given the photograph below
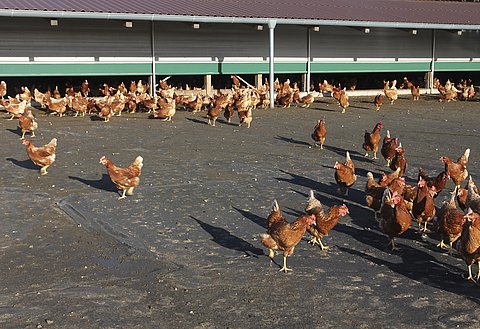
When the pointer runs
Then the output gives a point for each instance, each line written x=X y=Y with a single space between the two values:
x=271 y=254
x=322 y=246
x=470 y=277
x=346 y=192
x=451 y=248
x=478 y=274
x=33 y=134
x=374 y=155
x=130 y=190
x=425 y=227
x=23 y=135
x=455 y=190
x=285 y=268
x=394 y=245
x=123 y=196
x=43 y=171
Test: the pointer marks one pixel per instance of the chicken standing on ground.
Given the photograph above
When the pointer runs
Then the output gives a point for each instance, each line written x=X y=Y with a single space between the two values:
x=168 y=110
x=228 y=113
x=57 y=105
x=472 y=200
x=415 y=92
x=27 y=123
x=325 y=218
x=468 y=246
x=462 y=193
x=245 y=117
x=3 y=89
x=106 y=112
x=284 y=236
x=212 y=114
x=343 y=101
x=319 y=133
x=307 y=100
x=439 y=182
x=458 y=170
x=399 y=160
x=424 y=205
x=378 y=101
x=14 y=107
x=392 y=92
x=42 y=156
x=124 y=178
x=448 y=223
x=372 y=140
x=374 y=194
x=395 y=216
x=345 y=174
x=385 y=180
x=389 y=147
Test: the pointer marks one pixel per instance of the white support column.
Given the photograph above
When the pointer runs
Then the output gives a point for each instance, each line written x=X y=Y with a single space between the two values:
x=271 y=27
x=432 y=67
x=153 y=77
x=309 y=55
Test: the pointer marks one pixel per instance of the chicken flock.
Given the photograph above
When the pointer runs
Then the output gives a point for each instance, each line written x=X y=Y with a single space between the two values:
x=397 y=202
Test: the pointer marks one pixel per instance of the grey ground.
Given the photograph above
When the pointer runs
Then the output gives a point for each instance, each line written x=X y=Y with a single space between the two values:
x=184 y=251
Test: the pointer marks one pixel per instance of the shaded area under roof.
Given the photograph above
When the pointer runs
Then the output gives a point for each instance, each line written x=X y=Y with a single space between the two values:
x=326 y=11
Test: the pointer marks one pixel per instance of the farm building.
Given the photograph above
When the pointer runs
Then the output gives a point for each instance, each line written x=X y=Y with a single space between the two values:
x=207 y=40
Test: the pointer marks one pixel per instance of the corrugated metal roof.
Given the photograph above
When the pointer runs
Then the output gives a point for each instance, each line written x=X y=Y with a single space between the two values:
x=395 y=11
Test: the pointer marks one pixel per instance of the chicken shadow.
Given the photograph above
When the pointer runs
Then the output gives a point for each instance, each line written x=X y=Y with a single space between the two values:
x=292 y=141
x=27 y=164
x=303 y=181
x=323 y=109
x=96 y=118
x=343 y=152
x=203 y=122
x=227 y=240
x=421 y=267
x=17 y=131
x=104 y=183
x=262 y=221
x=414 y=263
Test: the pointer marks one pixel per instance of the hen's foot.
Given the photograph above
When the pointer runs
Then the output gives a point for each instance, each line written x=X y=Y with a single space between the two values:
x=285 y=269
x=442 y=245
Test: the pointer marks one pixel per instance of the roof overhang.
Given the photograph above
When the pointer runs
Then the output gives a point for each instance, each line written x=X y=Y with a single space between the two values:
x=231 y=20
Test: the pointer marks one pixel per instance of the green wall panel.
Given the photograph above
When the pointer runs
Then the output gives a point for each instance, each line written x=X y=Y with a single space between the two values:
x=245 y=68
x=186 y=68
x=72 y=69
x=290 y=67
x=457 y=66
x=368 y=67
x=112 y=69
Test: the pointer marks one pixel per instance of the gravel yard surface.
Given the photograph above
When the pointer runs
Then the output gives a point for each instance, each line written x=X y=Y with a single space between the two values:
x=184 y=251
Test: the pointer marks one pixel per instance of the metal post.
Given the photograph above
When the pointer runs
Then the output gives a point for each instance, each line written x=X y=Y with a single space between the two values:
x=152 y=84
x=432 y=67
x=271 y=27
x=307 y=89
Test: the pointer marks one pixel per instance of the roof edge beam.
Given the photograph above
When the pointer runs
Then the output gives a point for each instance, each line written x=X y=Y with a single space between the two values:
x=239 y=20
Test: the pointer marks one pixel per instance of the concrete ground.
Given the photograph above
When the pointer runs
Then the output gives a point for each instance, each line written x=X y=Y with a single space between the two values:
x=184 y=250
